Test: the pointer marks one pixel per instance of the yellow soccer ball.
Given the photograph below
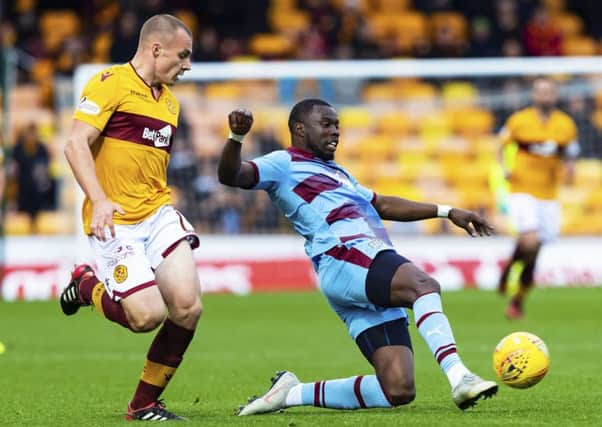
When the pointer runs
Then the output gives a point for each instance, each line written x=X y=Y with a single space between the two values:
x=521 y=360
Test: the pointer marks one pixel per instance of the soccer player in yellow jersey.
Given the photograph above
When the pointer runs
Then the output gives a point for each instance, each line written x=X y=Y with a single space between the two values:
x=546 y=141
x=118 y=149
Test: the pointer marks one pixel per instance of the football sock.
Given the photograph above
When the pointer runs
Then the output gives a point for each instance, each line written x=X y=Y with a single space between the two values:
x=92 y=291
x=436 y=331
x=517 y=255
x=347 y=393
x=163 y=358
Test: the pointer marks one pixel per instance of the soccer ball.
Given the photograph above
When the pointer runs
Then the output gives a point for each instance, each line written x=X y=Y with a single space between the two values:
x=521 y=360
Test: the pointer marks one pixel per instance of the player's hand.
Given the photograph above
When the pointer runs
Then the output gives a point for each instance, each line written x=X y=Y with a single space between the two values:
x=240 y=121
x=471 y=222
x=102 y=218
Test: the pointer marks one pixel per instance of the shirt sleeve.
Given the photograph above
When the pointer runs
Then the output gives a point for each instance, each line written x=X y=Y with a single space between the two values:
x=100 y=98
x=270 y=169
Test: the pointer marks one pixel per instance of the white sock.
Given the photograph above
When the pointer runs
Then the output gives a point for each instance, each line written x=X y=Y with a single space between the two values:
x=455 y=374
x=294 y=397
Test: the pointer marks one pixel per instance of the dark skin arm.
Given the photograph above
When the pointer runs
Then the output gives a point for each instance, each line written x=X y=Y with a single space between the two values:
x=231 y=170
x=399 y=209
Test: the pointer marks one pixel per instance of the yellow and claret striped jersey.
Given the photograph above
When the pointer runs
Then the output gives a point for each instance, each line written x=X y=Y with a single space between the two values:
x=542 y=145
x=132 y=153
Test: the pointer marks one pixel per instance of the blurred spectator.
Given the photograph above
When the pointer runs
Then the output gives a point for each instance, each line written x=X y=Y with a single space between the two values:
x=542 y=37
x=589 y=137
x=512 y=48
x=207 y=47
x=125 y=40
x=446 y=44
x=507 y=21
x=482 y=43
x=30 y=168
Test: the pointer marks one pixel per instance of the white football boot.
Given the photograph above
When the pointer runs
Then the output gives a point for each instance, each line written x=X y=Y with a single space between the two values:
x=275 y=397
x=471 y=389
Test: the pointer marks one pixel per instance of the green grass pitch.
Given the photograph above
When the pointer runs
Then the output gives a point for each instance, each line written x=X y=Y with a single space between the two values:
x=81 y=371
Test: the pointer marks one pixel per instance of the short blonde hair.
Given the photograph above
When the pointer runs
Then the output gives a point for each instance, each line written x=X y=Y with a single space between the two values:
x=162 y=23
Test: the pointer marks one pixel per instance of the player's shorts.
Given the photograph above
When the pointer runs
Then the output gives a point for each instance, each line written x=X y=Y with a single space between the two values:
x=342 y=274
x=126 y=264
x=528 y=213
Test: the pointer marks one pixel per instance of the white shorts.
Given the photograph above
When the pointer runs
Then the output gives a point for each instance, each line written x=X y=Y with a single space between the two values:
x=126 y=264
x=528 y=213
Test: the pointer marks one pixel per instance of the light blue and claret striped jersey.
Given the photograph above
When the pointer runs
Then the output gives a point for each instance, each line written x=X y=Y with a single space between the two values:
x=324 y=202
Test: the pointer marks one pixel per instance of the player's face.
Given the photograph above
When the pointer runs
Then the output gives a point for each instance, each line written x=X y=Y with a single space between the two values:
x=545 y=95
x=174 y=58
x=322 y=132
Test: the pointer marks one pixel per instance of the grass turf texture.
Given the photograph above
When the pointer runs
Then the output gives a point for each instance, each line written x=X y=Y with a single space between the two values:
x=81 y=371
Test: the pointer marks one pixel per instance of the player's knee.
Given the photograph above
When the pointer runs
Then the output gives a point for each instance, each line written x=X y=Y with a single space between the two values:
x=146 y=322
x=401 y=394
x=187 y=315
x=428 y=286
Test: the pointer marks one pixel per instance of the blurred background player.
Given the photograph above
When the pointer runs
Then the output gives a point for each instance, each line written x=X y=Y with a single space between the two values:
x=546 y=140
x=118 y=150
x=363 y=278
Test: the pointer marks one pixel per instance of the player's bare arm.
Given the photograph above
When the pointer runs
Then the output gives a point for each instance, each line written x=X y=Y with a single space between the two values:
x=231 y=170
x=400 y=209
x=79 y=156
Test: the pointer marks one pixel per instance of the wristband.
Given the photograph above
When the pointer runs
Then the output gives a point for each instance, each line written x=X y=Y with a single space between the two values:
x=443 y=211
x=236 y=137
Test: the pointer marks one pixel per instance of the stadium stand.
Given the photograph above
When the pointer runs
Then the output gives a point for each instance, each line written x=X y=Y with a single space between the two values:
x=421 y=132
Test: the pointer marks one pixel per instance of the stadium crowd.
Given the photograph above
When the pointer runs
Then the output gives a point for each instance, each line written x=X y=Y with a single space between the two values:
x=51 y=38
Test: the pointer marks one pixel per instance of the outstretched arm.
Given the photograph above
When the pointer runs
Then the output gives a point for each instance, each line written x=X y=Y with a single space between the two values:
x=231 y=170
x=399 y=209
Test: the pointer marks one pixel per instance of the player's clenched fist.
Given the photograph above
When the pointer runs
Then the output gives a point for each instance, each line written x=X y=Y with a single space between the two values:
x=240 y=121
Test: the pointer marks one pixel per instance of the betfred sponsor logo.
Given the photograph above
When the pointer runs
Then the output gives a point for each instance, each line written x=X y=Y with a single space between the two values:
x=160 y=138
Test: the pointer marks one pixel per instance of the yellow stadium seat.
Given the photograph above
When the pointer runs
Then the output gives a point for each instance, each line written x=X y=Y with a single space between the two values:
x=474 y=122
x=376 y=148
x=435 y=126
x=288 y=21
x=392 y=6
x=270 y=45
x=410 y=25
x=579 y=46
x=554 y=6
x=355 y=117
x=54 y=222
x=189 y=18
x=56 y=25
x=459 y=94
x=418 y=91
x=42 y=70
x=568 y=24
x=588 y=174
x=283 y=4
x=374 y=92
x=101 y=47
x=226 y=90
x=395 y=123
x=17 y=224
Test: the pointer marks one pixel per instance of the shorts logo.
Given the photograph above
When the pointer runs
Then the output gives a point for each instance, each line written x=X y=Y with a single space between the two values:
x=120 y=273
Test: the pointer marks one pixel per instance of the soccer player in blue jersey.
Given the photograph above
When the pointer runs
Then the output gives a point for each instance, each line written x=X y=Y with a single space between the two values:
x=363 y=278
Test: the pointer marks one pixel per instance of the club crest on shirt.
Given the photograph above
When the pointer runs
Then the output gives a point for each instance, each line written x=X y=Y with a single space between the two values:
x=120 y=273
x=170 y=106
